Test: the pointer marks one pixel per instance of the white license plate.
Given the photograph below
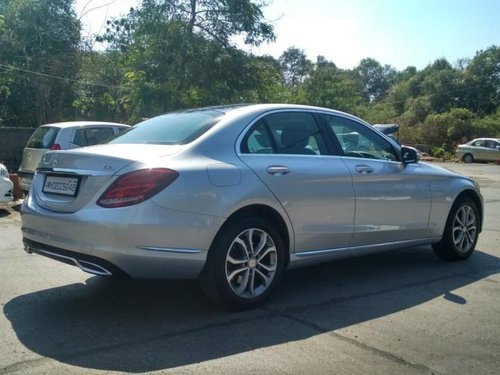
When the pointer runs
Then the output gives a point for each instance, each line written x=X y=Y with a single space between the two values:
x=26 y=181
x=64 y=185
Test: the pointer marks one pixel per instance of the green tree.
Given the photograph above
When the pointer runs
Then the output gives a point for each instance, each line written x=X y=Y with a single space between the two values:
x=483 y=82
x=177 y=54
x=331 y=87
x=295 y=67
x=39 y=42
x=442 y=85
x=375 y=79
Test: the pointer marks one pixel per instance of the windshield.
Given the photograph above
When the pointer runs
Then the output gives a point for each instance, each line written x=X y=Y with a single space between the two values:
x=43 y=137
x=170 y=129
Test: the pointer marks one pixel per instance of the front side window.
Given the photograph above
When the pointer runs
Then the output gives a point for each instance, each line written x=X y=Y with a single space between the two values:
x=170 y=129
x=295 y=133
x=492 y=144
x=359 y=141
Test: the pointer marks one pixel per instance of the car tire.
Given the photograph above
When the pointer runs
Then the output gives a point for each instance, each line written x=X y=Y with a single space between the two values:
x=461 y=232
x=244 y=264
x=468 y=158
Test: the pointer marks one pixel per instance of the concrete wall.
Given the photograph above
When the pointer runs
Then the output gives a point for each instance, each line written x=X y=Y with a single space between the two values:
x=12 y=142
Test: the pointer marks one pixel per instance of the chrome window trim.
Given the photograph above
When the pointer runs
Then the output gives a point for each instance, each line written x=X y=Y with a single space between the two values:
x=247 y=128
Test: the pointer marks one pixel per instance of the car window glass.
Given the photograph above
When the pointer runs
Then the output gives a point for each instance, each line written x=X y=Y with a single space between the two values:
x=491 y=144
x=359 y=141
x=43 y=137
x=478 y=143
x=80 y=139
x=91 y=136
x=258 y=140
x=285 y=133
x=98 y=135
x=170 y=129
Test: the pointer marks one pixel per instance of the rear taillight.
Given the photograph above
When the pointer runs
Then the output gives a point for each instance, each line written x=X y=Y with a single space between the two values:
x=136 y=187
x=55 y=146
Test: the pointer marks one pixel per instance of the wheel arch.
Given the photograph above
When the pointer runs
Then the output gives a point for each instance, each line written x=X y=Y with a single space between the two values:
x=267 y=213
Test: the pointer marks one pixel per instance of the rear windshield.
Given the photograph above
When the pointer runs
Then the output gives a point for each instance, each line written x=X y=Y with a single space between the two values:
x=170 y=129
x=43 y=137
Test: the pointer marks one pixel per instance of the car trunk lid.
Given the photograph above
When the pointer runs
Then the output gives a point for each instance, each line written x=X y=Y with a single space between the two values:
x=68 y=180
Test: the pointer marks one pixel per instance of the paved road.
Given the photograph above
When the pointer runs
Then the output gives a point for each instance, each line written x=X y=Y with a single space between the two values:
x=403 y=312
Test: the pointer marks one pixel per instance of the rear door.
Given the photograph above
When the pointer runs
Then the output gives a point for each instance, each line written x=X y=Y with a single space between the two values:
x=287 y=151
x=393 y=201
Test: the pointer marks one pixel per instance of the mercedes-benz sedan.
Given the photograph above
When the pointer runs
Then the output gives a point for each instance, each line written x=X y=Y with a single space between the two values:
x=234 y=195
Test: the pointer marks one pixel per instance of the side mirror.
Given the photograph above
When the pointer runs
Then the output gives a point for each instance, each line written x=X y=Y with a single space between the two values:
x=410 y=155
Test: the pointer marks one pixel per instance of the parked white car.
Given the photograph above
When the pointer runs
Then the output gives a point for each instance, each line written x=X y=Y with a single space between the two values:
x=62 y=136
x=6 y=185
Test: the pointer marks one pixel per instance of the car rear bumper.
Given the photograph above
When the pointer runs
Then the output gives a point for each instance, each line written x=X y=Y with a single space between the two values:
x=25 y=179
x=171 y=245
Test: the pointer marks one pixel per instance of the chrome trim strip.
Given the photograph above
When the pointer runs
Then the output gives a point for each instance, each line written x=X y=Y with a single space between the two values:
x=321 y=252
x=77 y=263
x=169 y=250
x=365 y=247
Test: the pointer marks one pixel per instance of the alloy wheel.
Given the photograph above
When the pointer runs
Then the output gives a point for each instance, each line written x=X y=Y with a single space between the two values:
x=464 y=229
x=251 y=263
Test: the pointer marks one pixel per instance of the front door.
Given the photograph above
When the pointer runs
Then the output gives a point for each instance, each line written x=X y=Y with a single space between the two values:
x=287 y=152
x=392 y=200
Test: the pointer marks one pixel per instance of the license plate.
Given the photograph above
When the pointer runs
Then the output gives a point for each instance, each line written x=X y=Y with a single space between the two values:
x=26 y=181
x=64 y=185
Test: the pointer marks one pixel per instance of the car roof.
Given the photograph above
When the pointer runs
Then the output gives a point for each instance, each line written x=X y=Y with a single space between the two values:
x=245 y=108
x=69 y=124
x=486 y=139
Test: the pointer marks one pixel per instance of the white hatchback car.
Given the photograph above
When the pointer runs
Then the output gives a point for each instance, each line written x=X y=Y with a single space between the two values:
x=62 y=136
x=5 y=185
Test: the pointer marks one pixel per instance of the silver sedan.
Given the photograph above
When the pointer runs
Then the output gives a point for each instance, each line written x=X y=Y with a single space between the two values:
x=480 y=149
x=234 y=195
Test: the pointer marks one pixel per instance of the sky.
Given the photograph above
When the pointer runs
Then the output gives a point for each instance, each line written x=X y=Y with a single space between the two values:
x=400 y=33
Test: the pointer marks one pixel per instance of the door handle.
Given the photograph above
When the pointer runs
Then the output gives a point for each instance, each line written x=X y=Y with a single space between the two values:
x=278 y=170
x=364 y=169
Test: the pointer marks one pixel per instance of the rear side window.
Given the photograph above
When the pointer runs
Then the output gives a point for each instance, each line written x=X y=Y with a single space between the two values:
x=480 y=143
x=92 y=136
x=170 y=129
x=43 y=137
x=293 y=133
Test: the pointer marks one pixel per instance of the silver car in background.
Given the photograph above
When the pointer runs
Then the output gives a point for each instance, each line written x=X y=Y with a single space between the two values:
x=480 y=149
x=62 y=136
x=234 y=195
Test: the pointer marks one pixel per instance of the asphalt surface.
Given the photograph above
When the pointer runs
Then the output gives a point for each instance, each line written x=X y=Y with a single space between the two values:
x=401 y=312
